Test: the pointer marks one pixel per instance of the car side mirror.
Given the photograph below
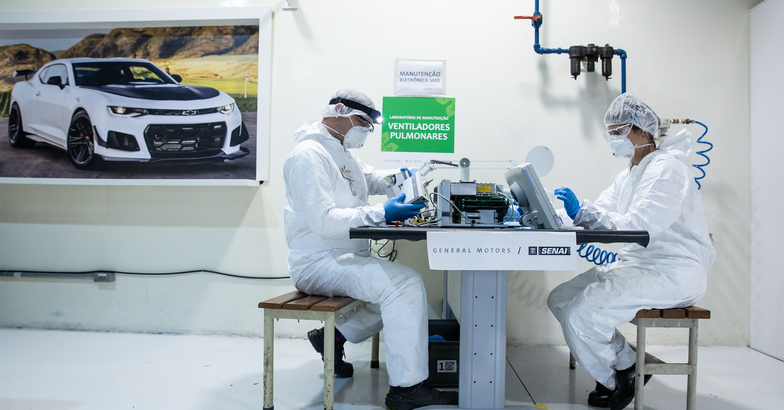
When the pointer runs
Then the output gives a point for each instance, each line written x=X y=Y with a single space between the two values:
x=176 y=78
x=56 y=80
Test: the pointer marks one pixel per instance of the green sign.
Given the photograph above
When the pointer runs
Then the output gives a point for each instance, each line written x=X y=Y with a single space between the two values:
x=418 y=124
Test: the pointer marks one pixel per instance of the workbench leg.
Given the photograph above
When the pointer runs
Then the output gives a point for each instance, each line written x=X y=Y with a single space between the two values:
x=374 y=352
x=269 y=359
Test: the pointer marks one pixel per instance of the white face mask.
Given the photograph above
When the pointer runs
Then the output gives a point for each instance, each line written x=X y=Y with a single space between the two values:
x=620 y=144
x=355 y=137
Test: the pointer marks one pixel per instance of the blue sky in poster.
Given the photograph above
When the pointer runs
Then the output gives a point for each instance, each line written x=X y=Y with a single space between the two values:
x=49 y=40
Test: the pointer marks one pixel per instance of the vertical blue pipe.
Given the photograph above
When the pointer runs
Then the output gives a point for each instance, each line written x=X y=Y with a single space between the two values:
x=537 y=48
x=621 y=53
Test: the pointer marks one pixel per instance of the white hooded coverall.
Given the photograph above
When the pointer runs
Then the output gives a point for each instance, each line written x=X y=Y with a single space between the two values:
x=321 y=206
x=659 y=196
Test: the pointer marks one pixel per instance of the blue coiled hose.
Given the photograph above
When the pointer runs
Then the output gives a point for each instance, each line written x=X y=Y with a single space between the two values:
x=702 y=153
x=596 y=255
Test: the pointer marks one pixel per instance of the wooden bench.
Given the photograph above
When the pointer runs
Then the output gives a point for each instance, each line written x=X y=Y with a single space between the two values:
x=687 y=317
x=301 y=306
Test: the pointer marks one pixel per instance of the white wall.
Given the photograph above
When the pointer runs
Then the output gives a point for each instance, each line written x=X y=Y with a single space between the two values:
x=686 y=59
x=767 y=306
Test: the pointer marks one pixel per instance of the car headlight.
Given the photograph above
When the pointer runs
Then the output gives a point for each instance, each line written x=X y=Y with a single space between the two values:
x=126 y=111
x=226 y=109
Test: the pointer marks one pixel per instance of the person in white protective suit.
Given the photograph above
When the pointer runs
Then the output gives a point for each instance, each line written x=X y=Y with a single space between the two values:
x=655 y=193
x=327 y=188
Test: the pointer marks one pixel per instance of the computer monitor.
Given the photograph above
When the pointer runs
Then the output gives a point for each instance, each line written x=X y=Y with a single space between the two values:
x=536 y=209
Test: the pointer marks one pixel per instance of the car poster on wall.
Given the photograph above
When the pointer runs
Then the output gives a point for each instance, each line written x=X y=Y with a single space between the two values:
x=116 y=101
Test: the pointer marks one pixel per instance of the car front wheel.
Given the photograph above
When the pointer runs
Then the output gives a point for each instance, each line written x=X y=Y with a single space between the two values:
x=16 y=134
x=80 y=141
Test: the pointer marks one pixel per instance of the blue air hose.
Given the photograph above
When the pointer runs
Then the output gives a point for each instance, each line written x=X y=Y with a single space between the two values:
x=596 y=255
x=702 y=153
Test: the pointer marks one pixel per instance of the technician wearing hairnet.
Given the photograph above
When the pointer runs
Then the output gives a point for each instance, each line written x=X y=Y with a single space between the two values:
x=327 y=188
x=655 y=193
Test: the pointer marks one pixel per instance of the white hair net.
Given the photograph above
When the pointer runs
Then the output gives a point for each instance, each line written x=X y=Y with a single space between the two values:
x=340 y=110
x=625 y=109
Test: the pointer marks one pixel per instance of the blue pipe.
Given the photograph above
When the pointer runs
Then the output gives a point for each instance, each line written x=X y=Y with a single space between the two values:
x=540 y=50
x=537 y=48
x=621 y=53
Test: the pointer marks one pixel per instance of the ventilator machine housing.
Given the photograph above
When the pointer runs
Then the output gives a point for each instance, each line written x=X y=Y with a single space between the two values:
x=536 y=209
x=478 y=204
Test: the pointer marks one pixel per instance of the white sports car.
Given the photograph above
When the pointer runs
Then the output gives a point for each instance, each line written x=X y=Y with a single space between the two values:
x=123 y=109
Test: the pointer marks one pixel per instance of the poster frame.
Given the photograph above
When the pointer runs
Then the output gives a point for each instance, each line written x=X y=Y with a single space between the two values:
x=261 y=16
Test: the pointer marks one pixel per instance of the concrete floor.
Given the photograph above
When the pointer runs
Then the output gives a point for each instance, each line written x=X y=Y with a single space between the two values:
x=60 y=370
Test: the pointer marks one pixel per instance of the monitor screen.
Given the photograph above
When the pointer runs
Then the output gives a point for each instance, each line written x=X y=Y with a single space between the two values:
x=536 y=209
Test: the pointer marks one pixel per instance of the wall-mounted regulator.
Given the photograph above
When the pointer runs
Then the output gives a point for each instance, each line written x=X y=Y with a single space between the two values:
x=590 y=54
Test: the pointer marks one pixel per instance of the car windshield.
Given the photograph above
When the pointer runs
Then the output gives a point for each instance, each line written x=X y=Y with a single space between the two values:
x=100 y=73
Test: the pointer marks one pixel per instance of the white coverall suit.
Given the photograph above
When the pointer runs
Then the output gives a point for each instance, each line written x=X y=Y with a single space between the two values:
x=322 y=203
x=659 y=196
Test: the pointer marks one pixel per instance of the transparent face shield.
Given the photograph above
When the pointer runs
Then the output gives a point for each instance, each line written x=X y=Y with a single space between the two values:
x=364 y=122
x=618 y=132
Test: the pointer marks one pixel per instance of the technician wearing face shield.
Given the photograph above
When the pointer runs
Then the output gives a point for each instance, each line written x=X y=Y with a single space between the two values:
x=327 y=188
x=655 y=193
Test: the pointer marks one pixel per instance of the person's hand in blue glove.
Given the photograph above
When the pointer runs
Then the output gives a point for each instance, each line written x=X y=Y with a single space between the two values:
x=571 y=203
x=406 y=170
x=396 y=210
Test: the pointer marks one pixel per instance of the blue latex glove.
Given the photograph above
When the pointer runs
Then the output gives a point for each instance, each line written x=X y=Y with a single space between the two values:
x=571 y=203
x=407 y=170
x=513 y=213
x=396 y=210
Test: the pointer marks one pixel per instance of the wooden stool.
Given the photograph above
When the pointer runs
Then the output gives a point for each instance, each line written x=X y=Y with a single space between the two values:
x=648 y=364
x=671 y=318
x=301 y=306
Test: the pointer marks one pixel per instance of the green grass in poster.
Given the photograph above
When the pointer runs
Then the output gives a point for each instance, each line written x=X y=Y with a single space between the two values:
x=227 y=85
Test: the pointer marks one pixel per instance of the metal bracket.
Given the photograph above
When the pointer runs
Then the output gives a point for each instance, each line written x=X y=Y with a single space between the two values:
x=290 y=4
x=103 y=277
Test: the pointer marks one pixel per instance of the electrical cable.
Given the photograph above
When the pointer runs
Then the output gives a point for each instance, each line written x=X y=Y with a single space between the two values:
x=450 y=202
x=521 y=380
x=3 y=273
x=392 y=255
x=702 y=153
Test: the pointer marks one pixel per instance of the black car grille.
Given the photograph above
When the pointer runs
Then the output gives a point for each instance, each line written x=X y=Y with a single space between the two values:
x=185 y=140
x=201 y=111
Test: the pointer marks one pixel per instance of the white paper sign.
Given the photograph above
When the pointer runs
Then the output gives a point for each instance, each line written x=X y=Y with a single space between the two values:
x=420 y=77
x=487 y=250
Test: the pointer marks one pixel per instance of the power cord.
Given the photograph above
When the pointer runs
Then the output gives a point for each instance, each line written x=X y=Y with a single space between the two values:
x=391 y=255
x=12 y=272
x=450 y=202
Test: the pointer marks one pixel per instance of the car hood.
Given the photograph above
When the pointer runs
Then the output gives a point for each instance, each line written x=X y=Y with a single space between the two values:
x=159 y=92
